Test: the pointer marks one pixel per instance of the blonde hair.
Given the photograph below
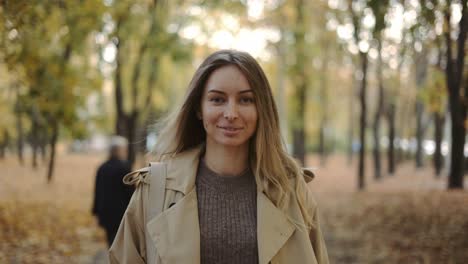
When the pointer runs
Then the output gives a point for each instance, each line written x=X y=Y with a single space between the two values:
x=271 y=164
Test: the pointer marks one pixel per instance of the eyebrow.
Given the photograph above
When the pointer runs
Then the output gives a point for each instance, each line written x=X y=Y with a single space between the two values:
x=221 y=92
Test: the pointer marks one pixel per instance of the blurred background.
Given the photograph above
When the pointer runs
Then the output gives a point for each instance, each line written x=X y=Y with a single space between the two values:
x=372 y=95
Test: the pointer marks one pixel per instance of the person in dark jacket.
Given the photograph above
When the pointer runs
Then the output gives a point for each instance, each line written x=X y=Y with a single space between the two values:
x=111 y=195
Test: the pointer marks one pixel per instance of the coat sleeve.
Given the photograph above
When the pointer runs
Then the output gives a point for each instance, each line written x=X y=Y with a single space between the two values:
x=127 y=189
x=315 y=234
x=129 y=243
x=97 y=193
x=318 y=243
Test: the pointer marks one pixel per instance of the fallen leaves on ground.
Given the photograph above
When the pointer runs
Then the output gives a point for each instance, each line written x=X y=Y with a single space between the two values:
x=44 y=233
x=398 y=227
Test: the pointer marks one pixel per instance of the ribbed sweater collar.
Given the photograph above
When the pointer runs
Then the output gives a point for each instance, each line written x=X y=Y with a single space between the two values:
x=224 y=183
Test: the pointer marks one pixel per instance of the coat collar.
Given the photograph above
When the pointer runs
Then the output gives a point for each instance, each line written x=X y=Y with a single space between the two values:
x=182 y=170
x=176 y=231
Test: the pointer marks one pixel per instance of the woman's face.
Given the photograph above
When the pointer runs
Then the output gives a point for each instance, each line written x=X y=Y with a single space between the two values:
x=228 y=109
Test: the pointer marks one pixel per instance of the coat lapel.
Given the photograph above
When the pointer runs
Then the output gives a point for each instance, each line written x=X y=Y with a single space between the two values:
x=273 y=228
x=176 y=232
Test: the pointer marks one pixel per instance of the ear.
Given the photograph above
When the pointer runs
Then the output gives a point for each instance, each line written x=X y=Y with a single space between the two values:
x=199 y=115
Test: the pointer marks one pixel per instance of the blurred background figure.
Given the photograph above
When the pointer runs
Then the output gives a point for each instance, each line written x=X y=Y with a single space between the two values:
x=111 y=195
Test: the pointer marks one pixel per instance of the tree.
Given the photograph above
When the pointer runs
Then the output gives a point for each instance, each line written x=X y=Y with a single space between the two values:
x=431 y=91
x=434 y=95
x=379 y=9
x=422 y=34
x=357 y=9
x=454 y=70
x=57 y=76
x=327 y=57
x=144 y=47
x=300 y=80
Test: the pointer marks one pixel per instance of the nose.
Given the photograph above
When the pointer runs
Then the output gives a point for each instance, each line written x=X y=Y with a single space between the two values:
x=231 y=113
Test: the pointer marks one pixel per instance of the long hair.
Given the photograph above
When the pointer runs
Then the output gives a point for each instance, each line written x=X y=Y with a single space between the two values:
x=271 y=164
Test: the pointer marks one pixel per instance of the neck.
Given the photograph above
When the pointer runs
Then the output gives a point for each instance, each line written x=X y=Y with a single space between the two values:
x=229 y=161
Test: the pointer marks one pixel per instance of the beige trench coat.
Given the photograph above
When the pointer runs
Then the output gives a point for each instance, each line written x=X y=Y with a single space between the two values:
x=176 y=234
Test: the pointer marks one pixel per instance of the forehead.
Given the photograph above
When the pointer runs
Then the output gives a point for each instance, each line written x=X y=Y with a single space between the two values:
x=227 y=79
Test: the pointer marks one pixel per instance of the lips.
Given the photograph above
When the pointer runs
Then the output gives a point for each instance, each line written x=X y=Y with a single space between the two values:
x=230 y=131
x=229 y=128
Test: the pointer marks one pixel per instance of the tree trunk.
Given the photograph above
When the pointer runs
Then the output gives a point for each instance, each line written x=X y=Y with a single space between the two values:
x=362 y=122
x=34 y=149
x=402 y=133
x=299 y=142
x=281 y=91
x=301 y=85
x=323 y=126
x=143 y=134
x=457 y=156
x=132 y=137
x=438 y=135
x=454 y=75
x=378 y=114
x=419 y=134
x=53 y=143
x=34 y=141
x=421 y=73
x=5 y=143
x=376 y=147
x=391 y=138
x=324 y=105
x=20 y=132
x=351 y=123
x=43 y=143
x=121 y=119
x=35 y=130
x=299 y=131
x=2 y=149
x=322 y=150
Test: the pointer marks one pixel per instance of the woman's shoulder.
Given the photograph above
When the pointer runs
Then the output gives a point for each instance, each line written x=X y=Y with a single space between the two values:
x=308 y=174
x=137 y=177
x=136 y=207
x=308 y=177
x=144 y=176
x=305 y=176
x=304 y=179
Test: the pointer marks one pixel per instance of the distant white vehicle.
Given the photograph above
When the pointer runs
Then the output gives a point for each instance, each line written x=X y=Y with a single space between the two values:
x=428 y=145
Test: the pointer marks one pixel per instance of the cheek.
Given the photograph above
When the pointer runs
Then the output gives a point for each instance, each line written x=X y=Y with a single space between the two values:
x=252 y=118
x=209 y=116
x=255 y=124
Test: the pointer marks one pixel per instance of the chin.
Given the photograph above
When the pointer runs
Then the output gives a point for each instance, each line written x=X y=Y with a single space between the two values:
x=232 y=143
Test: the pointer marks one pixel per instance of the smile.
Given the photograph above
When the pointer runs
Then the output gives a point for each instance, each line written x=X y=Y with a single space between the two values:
x=230 y=128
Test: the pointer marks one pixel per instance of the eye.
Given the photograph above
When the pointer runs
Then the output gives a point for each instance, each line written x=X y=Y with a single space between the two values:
x=216 y=100
x=247 y=100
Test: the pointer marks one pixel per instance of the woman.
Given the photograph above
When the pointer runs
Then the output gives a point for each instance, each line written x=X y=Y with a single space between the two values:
x=232 y=193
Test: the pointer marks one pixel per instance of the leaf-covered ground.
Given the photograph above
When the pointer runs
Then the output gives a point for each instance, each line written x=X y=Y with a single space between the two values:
x=406 y=227
x=405 y=218
x=44 y=233
x=49 y=223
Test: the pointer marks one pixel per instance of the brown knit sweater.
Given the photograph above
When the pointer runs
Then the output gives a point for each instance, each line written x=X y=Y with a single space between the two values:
x=227 y=211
